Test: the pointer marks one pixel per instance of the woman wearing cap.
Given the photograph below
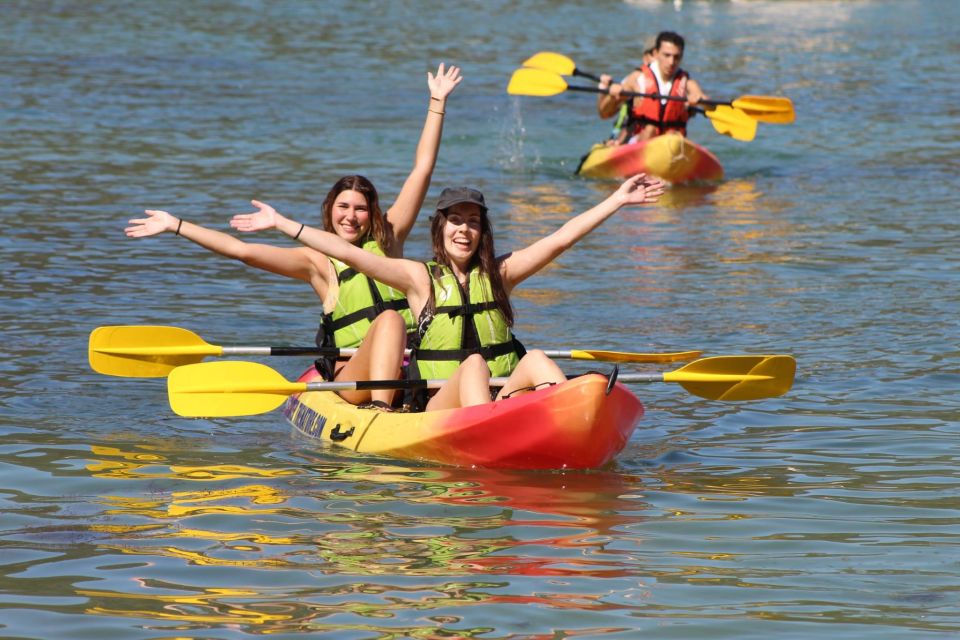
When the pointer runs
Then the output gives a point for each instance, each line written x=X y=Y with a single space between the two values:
x=465 y=281
x=357 y=311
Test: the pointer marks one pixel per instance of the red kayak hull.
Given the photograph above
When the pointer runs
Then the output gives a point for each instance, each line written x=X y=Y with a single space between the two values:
x=574 y=425
x=671 y=156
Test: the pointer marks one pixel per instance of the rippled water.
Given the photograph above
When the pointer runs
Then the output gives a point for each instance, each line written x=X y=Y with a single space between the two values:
x=830 y=511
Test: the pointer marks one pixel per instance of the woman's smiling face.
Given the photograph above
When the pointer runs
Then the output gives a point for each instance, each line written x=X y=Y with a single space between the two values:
x=351 y=216
x=463 y=224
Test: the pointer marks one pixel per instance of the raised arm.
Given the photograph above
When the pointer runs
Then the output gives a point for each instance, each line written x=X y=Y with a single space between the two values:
x=395 y=272
x=520 y=265
x=403 y=214
x=291 y=262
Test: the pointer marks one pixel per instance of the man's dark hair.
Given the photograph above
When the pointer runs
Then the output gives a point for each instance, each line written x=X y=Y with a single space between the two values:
x=671 y=37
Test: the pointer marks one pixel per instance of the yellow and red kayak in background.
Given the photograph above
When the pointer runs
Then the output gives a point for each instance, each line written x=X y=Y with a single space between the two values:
x=579 y=424
x=673 y=157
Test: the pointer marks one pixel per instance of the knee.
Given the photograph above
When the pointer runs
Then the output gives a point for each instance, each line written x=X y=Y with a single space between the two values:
x=536 y=356
x=390 y=322
x=475 y=365
x=389 y=318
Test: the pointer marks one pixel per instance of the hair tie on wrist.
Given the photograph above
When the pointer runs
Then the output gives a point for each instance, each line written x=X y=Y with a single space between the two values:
x=437 y=99
x=435 y=111
x=299 y=231
x=179 y=224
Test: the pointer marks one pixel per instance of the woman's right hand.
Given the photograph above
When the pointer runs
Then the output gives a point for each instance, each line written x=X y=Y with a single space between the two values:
x=156 y=223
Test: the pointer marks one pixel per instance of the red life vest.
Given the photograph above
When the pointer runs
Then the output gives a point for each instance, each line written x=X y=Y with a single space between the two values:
x=671 y=116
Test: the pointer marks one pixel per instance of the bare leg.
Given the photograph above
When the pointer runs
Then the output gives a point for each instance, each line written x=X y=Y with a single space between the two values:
x=379 y=357
x=468 y=386
x=534 y=369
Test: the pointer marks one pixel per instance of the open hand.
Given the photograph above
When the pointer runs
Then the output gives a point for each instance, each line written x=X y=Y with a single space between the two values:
x=157 y=222
x=444 y=82
x=640 y=189
x=264 y=218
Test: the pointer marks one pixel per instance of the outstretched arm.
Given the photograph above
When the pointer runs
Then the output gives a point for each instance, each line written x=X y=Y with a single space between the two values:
x=521 y=264
x=394 y=272
x=293 y=263
x=403 y=214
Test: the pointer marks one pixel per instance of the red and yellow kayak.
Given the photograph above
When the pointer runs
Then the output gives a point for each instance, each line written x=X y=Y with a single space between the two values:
x=671 y=156
x=574 y=425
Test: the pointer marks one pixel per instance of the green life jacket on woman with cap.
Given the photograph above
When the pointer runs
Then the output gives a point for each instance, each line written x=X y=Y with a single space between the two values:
x=459 y=322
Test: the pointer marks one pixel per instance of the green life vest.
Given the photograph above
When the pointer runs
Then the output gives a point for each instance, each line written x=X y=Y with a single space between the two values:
x=359 y=301
x=445 y=340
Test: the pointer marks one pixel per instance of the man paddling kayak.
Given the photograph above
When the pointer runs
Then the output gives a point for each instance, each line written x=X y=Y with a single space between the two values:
x=461 y=297
x=357 y=311
x=650 y=117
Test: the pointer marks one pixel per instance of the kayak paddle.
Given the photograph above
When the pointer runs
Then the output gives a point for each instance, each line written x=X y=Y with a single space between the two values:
x=727 y=120
x=233 y=388
x=154 y=351
x=769 y=109
x=558 y=63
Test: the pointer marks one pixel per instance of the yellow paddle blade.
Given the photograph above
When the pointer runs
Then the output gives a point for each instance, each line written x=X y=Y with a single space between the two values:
x=551 y=61
x=121 y=350
x=535 y=82
x=770 y=109
x=732 y=122
x=737 y=377
x=620 y=356
x=227 y=388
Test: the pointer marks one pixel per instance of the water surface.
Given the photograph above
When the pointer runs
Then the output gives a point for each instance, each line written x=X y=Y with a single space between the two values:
x=831 y=511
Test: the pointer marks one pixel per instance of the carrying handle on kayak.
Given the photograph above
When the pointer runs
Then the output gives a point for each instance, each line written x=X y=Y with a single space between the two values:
x=612 y=380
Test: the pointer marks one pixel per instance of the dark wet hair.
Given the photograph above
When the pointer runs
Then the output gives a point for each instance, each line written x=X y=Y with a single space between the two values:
x=365 y=188
x=672 y=38
x=485 y=258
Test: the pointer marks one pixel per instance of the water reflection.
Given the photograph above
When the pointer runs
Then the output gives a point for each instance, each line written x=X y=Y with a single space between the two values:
x=364 y=527
x=518 y=523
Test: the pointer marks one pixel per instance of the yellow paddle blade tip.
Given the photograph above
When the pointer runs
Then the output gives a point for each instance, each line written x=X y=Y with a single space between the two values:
x=733 y=378
x=144 y=351
x=733 y=122
x=227 y=389
x=551 y=61
x=535 y=82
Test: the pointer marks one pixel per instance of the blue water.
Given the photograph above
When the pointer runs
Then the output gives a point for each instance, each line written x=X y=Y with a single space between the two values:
x=831 y=511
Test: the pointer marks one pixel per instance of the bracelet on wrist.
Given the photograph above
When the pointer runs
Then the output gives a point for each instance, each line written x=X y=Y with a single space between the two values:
x=437 y=112
x=179 y=224
x=437 y=99
x=299 y=231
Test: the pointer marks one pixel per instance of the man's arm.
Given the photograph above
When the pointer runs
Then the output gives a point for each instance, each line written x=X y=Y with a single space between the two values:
x=609 y=103
x=694 y=93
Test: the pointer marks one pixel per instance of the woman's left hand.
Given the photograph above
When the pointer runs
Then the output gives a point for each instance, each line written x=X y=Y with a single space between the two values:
x=444 y=82
x=266 y=217
x=640 y=189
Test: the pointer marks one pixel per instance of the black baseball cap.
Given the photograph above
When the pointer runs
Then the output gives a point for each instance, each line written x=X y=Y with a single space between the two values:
x=455 y=195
